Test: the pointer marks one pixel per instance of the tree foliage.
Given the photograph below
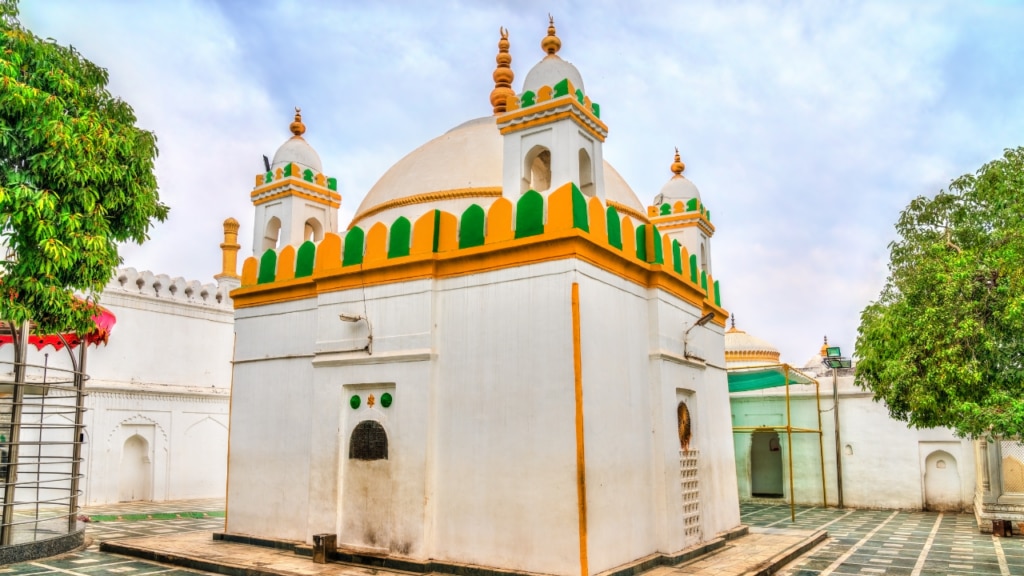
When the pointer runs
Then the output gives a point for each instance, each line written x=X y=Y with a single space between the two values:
x=944 y=343
x=76 y=178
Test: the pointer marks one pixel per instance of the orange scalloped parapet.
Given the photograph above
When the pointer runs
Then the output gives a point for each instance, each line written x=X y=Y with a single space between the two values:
x=499 y=222
x=596 y=219
x=328 y=253
x=423 y=233
x=652 y=210
x=250 y=271
x=628 y=237
x=259 y=179
x=447 y=232
x=666 y=250
x=376 y=243
x=559 y=210
x=543 y=94
x=285 y=264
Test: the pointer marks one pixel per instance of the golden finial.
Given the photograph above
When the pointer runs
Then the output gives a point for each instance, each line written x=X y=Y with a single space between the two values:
x=678 y=166
x=734 y=320
x=503 y=75
x=551 y=43
x=297 y=127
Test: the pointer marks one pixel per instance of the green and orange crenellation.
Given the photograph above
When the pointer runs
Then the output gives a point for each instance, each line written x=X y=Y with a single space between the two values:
x=441 y=244
x=291 y=180
x=679 y=214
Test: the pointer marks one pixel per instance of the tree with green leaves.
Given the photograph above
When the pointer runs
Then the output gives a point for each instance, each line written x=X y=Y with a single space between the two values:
x=944 y=343
x=76 y=178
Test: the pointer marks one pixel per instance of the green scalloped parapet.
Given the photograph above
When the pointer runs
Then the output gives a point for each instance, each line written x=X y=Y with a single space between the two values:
x=304 y=259
x=400 y=238
x=580 y=213
x=353 y=249
x=665 y=209
x=528 y=98
x=579 y=95
x=596 y=109
x=560 y=89
x=641 y=242
x=268 y=177
x=471 y=232
x=290 y=170
x=471 y=227
x=268 y=267
x=691 y=204
x=332 y=184
x=530 y=214
x=307 y=175
x=659 y=257
x=614 y=225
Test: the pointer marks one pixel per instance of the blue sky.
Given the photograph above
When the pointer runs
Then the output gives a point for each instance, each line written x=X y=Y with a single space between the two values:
x=807 y=126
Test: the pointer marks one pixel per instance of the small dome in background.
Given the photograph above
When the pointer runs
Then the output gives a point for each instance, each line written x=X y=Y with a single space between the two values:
x=296 y=150
x=678 y=187
x=552 y=69
x=744 y=350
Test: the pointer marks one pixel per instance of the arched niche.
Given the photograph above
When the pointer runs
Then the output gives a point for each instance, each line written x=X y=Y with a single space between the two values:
x=586 y=175
x=369 y=441
x=313 y=230
x=272 y=234
x=537 y=170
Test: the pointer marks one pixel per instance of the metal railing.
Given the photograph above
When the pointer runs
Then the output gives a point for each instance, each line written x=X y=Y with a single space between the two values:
x=41 y=434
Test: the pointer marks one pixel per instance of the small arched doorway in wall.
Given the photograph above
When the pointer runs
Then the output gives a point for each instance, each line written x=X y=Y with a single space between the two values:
x=766 y=465
x=135 y=480
x=942 y=491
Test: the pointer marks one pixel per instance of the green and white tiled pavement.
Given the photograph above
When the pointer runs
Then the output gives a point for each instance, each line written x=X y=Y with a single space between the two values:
x=862 y=542
x=892 y=543
x=128 y=520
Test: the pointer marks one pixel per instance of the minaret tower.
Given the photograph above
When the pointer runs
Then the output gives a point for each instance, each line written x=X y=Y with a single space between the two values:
x=295 y=201
x=679 y=213
x=552 y=131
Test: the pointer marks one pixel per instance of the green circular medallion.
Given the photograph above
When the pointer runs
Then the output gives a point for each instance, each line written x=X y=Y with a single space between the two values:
x=354 y=401
x=385 y=399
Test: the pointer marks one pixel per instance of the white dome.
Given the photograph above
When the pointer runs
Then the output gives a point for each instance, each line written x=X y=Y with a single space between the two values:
x=467 y=163
x=742 y=349
x=678 y=188
x=550 y=71
x=297 y=151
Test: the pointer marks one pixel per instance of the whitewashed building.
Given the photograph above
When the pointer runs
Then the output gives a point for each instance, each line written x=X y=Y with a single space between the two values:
x=505 y=361
x=884 y=463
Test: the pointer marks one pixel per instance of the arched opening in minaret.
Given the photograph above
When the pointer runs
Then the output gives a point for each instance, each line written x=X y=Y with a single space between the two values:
x=272 y=234
x=313 y=230
x=703 y=258
x=586 y=179
x=537 y=170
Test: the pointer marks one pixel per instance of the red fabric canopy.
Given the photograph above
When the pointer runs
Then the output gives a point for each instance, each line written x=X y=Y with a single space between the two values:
x=104 y=324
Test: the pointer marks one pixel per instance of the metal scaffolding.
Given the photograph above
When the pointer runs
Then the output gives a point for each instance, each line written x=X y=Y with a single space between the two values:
x=749 y=378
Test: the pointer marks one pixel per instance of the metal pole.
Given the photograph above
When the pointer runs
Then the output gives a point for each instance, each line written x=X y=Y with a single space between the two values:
x=839 y=442
x=11 y=481
x=76 y=451
x=821 y=446
x=789 y=440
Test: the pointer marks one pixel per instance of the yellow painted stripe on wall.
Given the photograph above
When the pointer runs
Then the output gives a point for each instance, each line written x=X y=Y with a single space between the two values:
x=581 y=462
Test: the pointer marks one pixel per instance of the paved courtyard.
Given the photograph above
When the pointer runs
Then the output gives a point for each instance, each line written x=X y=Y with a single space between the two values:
x=888 y=542
x=863 y=542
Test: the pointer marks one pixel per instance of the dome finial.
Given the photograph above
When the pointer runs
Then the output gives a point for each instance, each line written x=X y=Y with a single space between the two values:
x=678 y=166
x=824 y=347
x=297 y=127
x=503 y=75
x=551 y=44
x=733 y=320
